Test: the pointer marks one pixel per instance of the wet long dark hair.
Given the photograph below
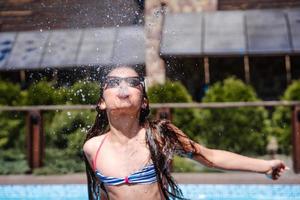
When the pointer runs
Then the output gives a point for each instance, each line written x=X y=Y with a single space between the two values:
x=162 y=138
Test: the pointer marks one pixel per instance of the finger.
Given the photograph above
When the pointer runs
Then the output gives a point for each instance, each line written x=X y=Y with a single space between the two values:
x=281 y=166
x=282 y=170
x=275 y=171
x=276 y=176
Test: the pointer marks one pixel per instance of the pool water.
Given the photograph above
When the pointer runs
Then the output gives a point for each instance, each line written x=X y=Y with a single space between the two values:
x=190 y=191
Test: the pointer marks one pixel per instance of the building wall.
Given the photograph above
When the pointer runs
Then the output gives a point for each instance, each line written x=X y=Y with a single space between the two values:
x=256 y=4
x=22 y=15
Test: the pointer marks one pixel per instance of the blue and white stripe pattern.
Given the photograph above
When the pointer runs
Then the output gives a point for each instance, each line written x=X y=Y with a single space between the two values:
x=145 y=176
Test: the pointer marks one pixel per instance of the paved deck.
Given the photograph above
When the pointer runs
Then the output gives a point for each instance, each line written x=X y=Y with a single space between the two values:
x=184 y=178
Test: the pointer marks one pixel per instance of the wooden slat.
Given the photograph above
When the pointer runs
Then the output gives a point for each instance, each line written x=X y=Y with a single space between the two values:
x=53 y=14
x=296 y=138
x=15 y=13
x=256 y=4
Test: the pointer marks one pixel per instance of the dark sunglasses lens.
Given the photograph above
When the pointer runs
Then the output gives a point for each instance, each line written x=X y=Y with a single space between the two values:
x=133 y=82
x=112 y=82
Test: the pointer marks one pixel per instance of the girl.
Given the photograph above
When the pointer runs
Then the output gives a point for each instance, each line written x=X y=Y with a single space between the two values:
x=127 y=156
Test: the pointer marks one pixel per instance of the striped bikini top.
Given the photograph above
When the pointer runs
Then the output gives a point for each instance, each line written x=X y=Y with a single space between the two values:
x=147 y=175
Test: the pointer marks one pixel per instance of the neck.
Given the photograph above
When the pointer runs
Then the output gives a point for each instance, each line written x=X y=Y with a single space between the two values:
x=124 y=128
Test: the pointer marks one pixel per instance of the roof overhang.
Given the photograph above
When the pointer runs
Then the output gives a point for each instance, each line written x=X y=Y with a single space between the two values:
x=72 y=48
x=229 y=33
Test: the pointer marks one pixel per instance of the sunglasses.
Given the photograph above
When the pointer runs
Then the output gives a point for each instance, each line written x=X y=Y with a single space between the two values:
x=114 y=81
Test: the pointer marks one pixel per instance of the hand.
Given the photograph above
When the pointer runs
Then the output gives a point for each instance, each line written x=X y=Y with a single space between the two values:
x=277 y=167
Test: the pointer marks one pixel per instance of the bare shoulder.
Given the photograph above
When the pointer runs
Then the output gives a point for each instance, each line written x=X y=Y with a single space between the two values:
x=90 y=146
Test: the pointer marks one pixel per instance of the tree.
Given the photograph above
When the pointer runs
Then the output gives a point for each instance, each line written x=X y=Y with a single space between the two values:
x=241 y=130
x=281 y=118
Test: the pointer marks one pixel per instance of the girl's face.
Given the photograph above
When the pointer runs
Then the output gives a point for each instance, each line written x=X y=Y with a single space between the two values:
x=122 y=92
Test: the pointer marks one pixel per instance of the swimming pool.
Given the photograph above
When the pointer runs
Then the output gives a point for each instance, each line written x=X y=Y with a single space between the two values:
x=191 y=191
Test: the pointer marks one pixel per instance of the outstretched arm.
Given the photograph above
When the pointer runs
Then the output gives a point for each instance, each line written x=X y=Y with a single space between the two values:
x=224 y=159
x=232 y=161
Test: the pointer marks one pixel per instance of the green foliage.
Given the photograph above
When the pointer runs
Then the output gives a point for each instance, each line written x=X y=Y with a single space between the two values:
x=181 y=164
x=9 y=93
x=10 y=122
x=68 y=130
x=59 y=161
x=292 y=93
x=65 y=131
x=41 y=93
x=44 y=93
x=13 y=162
x=172 y=92
x=281 y=118
x=84 y=92
x=64 y=140
x=231 y=90
x=241 y=130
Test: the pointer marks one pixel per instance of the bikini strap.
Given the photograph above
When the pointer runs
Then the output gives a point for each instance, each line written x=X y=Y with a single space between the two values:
x=94 y=161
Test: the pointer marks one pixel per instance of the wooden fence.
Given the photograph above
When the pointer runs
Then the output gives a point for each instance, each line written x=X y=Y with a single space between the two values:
x=35 y=132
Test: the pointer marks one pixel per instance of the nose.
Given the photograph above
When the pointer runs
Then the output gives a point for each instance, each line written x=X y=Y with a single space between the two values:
x=123 y=90
x=123 y=84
